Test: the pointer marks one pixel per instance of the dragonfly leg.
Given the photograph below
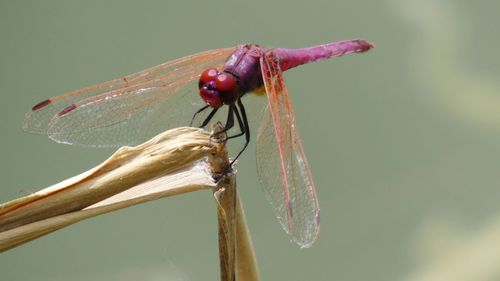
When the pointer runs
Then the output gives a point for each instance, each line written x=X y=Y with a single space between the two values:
x=230 y=119
x=245 y=130
x=209 y=117
x=196 y=113
x=240 y=123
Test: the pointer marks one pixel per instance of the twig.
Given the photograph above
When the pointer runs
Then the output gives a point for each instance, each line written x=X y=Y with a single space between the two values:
x=237 y=258
x=246 y=263
x=225 y=198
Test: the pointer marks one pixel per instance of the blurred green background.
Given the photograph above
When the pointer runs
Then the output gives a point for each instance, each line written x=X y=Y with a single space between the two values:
x=404 y=141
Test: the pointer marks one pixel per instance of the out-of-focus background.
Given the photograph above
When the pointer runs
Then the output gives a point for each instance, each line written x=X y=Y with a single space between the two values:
x=403 y=141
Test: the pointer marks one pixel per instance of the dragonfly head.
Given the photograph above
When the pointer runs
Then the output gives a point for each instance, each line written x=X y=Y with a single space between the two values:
x=218 y=88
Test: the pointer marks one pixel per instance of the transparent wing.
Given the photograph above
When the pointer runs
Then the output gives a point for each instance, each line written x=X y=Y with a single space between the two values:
x=127 y=110
x=282 y=165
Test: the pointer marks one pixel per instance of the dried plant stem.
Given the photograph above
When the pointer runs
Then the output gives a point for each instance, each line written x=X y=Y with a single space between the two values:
x=225 y=198
x=237 y=258
x=169 y=164
x=246 y=263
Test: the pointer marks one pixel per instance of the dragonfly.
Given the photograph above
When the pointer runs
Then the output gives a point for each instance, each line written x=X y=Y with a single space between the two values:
x=130 y=109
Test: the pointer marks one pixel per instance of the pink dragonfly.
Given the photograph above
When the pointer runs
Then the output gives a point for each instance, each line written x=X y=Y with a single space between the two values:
x=133 y=108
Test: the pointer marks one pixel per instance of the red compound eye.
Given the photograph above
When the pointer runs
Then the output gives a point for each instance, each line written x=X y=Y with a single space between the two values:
x=208 y=75
x=225 y=83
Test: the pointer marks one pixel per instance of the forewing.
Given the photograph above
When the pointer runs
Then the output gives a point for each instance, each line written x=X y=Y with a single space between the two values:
x=128 y=109
x=282 y=165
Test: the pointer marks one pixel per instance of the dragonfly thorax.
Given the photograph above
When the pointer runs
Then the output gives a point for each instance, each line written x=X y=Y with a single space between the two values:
x=218 y=88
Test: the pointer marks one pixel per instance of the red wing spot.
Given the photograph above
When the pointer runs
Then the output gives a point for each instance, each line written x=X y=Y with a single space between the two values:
x=41 y=105
x=66 y=110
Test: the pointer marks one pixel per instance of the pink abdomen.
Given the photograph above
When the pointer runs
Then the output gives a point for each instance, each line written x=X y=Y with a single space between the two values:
x=290 y=58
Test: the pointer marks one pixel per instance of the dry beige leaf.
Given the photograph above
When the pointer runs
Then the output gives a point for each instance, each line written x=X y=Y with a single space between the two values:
x=169 y=164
